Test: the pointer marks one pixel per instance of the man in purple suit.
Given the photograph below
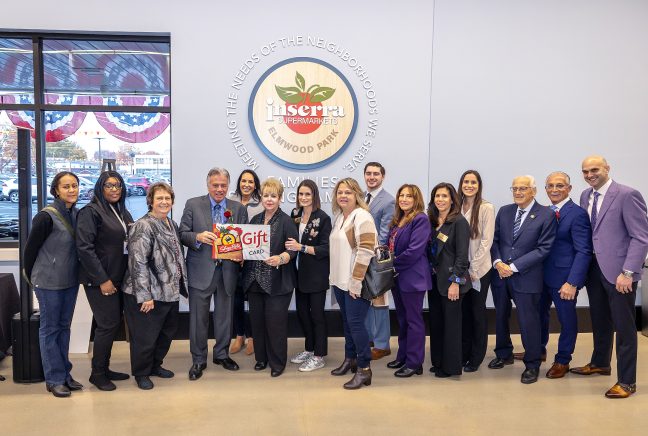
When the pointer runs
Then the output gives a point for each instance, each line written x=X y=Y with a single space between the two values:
x=620 y=239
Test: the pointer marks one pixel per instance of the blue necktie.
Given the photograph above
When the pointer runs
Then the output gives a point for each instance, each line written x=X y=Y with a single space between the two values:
x=594 y=209
x=517 y=223
x=216 y=214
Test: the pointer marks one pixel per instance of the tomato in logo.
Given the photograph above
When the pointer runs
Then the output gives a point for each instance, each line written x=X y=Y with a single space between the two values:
x=302 y=105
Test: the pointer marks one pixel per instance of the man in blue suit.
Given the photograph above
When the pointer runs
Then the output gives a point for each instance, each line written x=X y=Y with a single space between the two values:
x=524 y=233
x=565 y=270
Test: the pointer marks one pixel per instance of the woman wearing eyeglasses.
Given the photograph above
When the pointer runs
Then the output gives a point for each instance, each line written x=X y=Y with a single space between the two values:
x=101 y=238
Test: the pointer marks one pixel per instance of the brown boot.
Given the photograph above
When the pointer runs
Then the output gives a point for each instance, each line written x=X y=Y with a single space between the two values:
x=348 y=364
x=237 y=345
x=249 y=348
x=361 y=377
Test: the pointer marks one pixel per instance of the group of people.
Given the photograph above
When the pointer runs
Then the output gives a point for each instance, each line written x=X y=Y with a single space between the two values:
x=452 y=249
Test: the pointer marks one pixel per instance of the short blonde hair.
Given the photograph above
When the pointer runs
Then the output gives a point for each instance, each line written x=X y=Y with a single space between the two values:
x=357 y=190
x=273 y=185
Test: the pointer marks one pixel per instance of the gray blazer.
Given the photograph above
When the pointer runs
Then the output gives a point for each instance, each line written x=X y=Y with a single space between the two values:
x=197 y=218
x=382 y=208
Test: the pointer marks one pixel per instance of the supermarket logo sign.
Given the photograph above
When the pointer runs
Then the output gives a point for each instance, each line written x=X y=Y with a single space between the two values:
x=303 y=113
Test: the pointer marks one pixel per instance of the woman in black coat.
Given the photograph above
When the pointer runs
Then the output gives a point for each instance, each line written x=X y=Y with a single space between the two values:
x=101 y=239
x=448 y=256
x=314 y=228
x=269 y=283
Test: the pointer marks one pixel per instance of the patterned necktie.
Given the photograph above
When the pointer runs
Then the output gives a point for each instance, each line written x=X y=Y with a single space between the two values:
x=556 y=211
x=518 y=222
x=216 y=214
x=594 y=209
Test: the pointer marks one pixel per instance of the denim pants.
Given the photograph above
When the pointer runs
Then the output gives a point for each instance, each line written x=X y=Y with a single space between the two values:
x=356 y=338
x=56 y=310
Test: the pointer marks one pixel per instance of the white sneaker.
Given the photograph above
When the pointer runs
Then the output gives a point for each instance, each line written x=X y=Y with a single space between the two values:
x=312 y=364
x=302 y=357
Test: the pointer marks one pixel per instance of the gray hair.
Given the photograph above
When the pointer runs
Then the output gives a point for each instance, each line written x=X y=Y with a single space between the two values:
x=216 y=171
x=532 y=182
x=559 y=173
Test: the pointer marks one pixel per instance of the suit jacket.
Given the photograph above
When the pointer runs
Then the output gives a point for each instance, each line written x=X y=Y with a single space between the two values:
x=313 y=270
x=451 y=258
x=528 y=250
x=620 y=236
x=410 y=260
x=571 y=252
x=197 y=218
x=382 y=208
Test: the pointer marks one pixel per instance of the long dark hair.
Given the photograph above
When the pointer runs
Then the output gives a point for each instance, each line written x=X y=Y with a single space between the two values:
x=455 y=207
x=418 y=207
x=314 y=191
x=474 y=217
x=99 y=191
x=256 y=194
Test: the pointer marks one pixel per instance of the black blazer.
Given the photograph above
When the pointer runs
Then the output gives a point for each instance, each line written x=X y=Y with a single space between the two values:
x=451 y=258
x=313 y=270
x=100 y=244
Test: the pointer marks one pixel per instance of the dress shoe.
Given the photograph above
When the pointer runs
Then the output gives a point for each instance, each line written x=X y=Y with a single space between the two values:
x=557 y=370
x=276 y=372
x=162 y=372
x=470 y=368
x=530 y=375
x=395 y=364
x=102 y=382
x=260 y=366
x=362 y=377
x=520 y=356
x=249 y=347
x=144 y=382
x=227 y=363
x=621 y=390
x=59 y=391
x=237 y=345
x=498 y=363
x=116 y=376
x=196 y=371
x=590 y=369
x=346 y=366
x=408 y=372
x=441 y=373
x=434 y=369
x=379 y=353
x=73 y=385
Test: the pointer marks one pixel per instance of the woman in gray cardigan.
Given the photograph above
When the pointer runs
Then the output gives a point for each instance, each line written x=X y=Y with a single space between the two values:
x=156 y=277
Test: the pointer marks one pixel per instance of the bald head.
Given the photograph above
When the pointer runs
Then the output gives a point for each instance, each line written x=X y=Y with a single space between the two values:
x=596 y=171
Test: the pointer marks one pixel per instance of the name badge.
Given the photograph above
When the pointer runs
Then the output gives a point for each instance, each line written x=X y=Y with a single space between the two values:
x=125 y=246
x=442 y=237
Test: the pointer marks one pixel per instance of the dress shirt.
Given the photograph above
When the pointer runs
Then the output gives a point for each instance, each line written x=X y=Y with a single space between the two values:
x=602 y=191
x=373 y=193
x=524 y=216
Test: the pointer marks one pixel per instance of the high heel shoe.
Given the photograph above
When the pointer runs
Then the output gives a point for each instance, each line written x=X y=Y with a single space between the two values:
x=249 y=347
x=237 y=345
x=348 y=364
x=361 y=378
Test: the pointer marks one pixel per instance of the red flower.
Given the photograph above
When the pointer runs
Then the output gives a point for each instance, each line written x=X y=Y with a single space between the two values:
x=228 y=213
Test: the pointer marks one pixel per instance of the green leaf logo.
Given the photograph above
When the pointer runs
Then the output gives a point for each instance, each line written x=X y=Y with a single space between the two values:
x=320 y=94
x=299 y=80
x=289 y=94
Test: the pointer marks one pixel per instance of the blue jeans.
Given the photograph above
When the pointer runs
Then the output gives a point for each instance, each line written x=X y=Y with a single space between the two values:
x=377 y=323
x=356 y=338
x=56 y=310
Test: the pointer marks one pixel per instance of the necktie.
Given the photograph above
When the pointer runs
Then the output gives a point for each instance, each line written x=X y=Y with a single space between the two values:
x=594 y=209
x=556 y=211
x=216 y=214
x=368 y=197
x=517 y=223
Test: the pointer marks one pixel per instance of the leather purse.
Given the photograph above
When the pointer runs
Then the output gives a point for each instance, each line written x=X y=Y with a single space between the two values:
x=380 y=274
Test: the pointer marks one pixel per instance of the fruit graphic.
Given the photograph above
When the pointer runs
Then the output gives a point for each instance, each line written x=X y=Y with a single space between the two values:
x=304 y=105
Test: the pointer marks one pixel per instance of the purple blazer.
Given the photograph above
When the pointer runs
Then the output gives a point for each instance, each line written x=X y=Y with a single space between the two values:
x=410 y=258
x=620 y=236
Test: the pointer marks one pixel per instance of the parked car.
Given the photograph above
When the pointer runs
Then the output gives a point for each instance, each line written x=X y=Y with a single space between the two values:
x=8 y=227
x=140 y=184
x=10 y=190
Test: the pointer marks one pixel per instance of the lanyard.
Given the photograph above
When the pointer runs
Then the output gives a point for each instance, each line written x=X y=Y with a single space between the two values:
x=121 y=221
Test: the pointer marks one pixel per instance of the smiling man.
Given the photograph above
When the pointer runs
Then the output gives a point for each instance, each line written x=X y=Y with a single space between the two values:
x=620 y=238
x=524 y=233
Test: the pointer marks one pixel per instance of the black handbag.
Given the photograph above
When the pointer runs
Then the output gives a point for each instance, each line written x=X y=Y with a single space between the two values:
x=380 y=274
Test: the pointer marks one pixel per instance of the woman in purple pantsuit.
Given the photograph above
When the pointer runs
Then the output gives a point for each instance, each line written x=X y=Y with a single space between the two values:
x=408 y=238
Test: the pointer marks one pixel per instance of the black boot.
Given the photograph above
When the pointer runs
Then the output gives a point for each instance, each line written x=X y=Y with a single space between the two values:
x=101 y=381
x=361 y=377
x=348 y=364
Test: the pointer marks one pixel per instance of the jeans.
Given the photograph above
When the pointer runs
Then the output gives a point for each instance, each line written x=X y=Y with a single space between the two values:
x=356 y=338
x=56 y=310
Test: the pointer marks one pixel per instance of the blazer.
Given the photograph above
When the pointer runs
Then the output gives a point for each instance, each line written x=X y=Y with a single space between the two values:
x=620 y=235
x=197 y=218
x=100 y=241
x=410 y=260
x=528 y=250
x=479 y=248
x=571 y=252
x=382 y=208
x=313 y=270
x=451 y=258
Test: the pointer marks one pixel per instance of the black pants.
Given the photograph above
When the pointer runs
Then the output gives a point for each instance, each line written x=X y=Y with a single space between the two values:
x=445 y=332
x=241 y=320
x=310 y=311
x=475 y=324
x=150 y=333
x=612 y=311
x=107 y=312
x=269 y=317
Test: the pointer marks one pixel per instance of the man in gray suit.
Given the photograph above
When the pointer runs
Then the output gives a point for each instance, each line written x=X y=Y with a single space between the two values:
x=381 y=205
x=208 y=277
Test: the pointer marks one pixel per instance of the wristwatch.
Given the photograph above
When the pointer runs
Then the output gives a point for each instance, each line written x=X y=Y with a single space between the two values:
x=627 y=273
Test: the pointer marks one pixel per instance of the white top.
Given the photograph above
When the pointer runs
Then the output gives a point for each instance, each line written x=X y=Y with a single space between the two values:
x=602 y=191
x=479 y=249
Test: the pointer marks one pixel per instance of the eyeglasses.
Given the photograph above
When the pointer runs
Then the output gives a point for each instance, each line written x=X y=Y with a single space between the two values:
x=111 y=186
x=558 y=186
x=522 y=189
